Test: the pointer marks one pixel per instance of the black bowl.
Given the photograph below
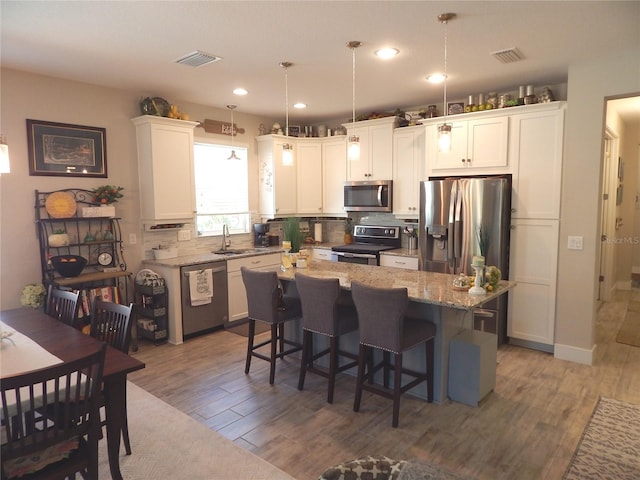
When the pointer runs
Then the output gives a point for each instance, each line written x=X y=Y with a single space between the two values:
x=68 y=265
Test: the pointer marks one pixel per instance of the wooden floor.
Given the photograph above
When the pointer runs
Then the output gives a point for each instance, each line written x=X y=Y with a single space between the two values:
x=527 y=428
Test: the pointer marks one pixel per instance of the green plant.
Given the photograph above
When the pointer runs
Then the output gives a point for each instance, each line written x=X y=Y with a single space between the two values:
x=59 y=231
x=483 y=240
x=107 y=194
x=292 y=233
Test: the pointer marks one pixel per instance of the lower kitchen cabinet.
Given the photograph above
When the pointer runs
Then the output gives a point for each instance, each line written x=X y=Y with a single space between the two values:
x=238 y=308
x=533 y=265
x=399 y=261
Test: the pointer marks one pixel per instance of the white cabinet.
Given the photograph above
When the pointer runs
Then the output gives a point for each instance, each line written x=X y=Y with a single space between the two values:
x=376 y=149
x=536 y=144
x=309 y=176
x=533 y=265
x=277 y=182
x=399 y=261
x=408 y=170
x=238 y=307
x=165 y=168
x=334 y=174
x=479 y=143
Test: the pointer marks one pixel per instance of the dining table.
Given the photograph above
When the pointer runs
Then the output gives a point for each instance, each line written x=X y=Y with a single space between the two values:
x=65 y=343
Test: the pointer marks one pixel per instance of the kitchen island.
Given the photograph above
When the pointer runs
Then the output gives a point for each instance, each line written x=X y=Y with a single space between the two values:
x=431 y=297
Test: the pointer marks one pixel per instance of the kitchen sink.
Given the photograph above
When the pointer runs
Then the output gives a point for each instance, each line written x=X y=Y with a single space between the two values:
x=234 y=251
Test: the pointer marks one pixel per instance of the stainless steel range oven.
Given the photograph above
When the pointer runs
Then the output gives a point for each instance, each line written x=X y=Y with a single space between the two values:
x=369 y=241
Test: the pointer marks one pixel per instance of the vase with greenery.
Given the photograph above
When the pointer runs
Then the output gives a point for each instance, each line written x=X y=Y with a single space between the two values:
x=292 y=233
x=348 y=230
x=107 y=194
x=59 y=238
x=33 y=295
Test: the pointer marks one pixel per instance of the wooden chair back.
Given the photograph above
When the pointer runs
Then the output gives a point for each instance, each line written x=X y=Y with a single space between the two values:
x=62 y=305
x=111 y=323
x=69 y=392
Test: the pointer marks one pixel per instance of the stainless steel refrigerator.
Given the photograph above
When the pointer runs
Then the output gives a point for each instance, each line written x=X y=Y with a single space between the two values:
x=462 y=217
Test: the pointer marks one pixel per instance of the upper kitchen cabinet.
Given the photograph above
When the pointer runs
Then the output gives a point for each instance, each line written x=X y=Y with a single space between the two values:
x=309 y=176
x=478 y=145
x=408 y=170
x=334 y=174
x=376 y=149
x=165 y=169
x=536 y=147
x=277 y=182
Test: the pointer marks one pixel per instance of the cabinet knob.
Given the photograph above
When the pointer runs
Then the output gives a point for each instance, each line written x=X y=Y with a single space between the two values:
x=513 y=210
x=513 y=227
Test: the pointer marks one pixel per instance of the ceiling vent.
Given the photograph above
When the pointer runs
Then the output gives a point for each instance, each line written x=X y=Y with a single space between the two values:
x=197 y=59
x=508 y=55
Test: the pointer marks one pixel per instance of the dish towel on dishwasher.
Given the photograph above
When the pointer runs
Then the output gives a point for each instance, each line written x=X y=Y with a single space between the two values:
x=201 y=287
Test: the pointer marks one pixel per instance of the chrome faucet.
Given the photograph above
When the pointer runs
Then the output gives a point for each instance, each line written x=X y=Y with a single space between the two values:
x=226 y=238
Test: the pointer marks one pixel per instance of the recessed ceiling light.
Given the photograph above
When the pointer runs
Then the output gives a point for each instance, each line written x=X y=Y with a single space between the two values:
x=436 y=78
x=387 y=52
x=300 y=105
x=240 y=91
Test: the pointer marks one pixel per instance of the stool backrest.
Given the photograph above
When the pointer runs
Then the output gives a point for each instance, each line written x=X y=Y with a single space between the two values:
x=319 y=298
x=263 y=294
x=381 y=314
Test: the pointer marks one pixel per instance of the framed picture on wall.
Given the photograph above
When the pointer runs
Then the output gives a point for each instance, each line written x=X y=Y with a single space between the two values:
x=60 y=149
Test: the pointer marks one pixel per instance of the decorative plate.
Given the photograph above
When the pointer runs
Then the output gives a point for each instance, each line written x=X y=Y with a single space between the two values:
x=61 y=205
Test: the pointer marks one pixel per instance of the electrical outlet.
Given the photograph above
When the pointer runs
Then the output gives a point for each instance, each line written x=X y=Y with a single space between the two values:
x=184 y=235
x=575 y=242
x=132 y=239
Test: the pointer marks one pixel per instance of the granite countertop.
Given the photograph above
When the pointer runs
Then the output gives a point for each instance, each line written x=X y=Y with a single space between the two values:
x=209 y=257
x=423 y=287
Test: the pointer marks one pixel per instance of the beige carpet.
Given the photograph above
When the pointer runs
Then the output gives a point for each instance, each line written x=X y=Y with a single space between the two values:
x=167 y=444
x=610 y=444
x=629 y=332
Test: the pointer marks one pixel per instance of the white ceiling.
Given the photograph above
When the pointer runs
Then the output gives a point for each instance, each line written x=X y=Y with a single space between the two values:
x=132 y=45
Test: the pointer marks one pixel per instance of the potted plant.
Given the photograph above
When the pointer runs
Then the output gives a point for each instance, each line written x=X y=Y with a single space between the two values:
x=59 y=238
x=348 y=231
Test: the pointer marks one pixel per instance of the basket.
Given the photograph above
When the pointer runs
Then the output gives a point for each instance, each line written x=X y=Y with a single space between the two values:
x=68 y=265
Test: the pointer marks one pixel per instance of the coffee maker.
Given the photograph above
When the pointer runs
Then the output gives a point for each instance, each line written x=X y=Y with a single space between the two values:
x=261 y=234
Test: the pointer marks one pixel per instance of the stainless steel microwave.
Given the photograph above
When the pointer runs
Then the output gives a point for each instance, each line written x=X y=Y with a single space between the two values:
x=368 y=196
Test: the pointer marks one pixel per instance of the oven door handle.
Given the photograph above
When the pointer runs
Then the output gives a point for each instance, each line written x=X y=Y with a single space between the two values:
x=354 y=255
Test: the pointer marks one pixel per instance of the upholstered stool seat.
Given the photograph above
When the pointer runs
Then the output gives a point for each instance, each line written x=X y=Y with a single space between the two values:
x=267 y=303
x=385 y=326
x=324 y=312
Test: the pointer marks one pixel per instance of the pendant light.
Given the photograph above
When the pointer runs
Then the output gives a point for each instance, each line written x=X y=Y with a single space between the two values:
x=287 y=148
x=354 y=140
x=444 y=130
x=233 y=155
x=4 y=156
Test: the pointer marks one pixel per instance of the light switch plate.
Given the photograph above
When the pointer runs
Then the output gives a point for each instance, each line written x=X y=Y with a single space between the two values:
x=184 y=235
x=575 y=242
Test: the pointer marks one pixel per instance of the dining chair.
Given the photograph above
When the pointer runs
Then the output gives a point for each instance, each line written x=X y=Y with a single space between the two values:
x=111 y=323
x=384 y=325
x=325 y=311
x=62 y=305
x=267 y=303
x=57 y=449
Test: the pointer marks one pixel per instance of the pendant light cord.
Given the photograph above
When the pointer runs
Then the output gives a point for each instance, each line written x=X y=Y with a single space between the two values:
x=444 y=106
x=286 y=102
x=353 y=84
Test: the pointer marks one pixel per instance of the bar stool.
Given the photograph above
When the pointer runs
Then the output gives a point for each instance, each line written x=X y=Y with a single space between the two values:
x=267 y=304
x=383 y=325
x=324 y=313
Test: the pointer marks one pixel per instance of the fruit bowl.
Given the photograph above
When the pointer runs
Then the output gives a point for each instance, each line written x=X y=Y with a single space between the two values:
x=68 y=265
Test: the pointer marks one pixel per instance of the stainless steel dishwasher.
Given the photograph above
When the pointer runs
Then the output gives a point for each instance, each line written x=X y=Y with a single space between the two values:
x=210 y=316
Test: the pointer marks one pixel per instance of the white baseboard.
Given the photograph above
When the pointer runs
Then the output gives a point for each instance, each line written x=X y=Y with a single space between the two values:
x=574 y=354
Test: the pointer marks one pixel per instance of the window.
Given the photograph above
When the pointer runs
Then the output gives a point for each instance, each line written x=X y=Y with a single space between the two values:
x=222 y=195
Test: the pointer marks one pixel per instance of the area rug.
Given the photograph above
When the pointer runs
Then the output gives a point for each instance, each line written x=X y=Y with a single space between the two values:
x=629 y=332
x=610 y=444
x=168 y=444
